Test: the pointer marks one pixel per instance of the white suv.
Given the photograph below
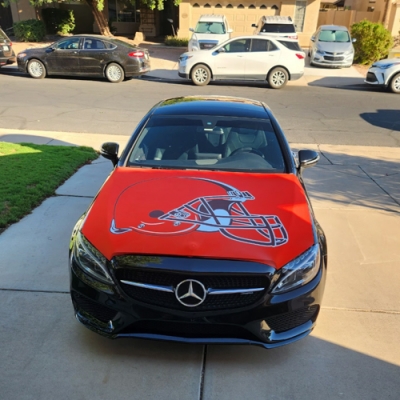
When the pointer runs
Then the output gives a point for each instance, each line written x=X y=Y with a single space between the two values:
x=210 y=31
x=276 y=26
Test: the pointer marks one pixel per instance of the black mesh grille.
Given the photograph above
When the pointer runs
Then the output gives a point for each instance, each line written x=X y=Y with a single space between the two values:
x=191 y=330
x=96 y=310
x=207 y=46
x=212 y=302
x=331 y=58
x=371 y=77
x=290 y=320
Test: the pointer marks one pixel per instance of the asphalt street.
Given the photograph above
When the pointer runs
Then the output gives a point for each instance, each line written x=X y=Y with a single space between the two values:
x=309 y=114
x=353 y=353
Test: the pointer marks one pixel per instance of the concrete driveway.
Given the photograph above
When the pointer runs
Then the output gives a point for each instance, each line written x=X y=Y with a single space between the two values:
x=352 y=354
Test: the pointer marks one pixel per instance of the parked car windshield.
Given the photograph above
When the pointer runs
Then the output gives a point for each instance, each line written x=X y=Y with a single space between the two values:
x=208 y=142
x=278 y=28
x=334 y=36
x=210 y=27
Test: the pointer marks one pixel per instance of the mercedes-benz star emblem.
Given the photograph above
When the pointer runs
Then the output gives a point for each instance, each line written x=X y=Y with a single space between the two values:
x=190 y=293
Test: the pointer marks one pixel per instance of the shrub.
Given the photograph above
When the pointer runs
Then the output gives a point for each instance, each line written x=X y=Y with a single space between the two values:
x=30 y=30
x=373 y=42
x=177 y=42
x=58 y=20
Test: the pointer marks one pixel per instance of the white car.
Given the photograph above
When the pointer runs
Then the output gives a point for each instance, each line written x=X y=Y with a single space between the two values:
x=385 y=73
x=210 y=30
x=252 y=58
x=276 y=26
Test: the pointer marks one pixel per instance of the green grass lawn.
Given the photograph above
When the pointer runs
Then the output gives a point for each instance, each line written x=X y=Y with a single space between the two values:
x=29 y=173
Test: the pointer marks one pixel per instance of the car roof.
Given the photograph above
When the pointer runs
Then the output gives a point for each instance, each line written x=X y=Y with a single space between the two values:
x=333 y=28
x=274 y=19
x=265 y=36
x=211 y=18
x=212 y=105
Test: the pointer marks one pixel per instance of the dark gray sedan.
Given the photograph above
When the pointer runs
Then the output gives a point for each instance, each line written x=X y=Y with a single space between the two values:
x=86 y=55
x=7 y=55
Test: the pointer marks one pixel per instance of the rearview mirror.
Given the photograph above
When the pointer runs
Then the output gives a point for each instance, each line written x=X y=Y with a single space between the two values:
x=308 y=158
x=109 y=150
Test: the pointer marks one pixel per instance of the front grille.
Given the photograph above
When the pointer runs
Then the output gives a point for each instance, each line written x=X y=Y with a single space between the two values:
x=371 y=77
x=211 y=303
x=292 y=319
x=331 y=58
x=207 y=46
x=190 y=330
x=103 y=314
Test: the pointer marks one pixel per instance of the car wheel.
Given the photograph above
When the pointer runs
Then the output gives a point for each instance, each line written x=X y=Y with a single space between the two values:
x=278 y=78
x=36 y=69
x=201 y=75
x=114 y=73
x=395 y=84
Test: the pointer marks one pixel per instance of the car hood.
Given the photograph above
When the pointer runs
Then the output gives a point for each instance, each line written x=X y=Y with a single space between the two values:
x=220 y=215
x=210 y=37
x=333 y=47
x=386 y=62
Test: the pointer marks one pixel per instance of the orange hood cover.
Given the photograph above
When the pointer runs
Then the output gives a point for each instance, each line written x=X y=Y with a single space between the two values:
x=222 y=215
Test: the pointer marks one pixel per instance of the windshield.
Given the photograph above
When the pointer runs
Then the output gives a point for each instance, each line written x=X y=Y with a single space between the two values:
x=334 y=36
x=208 y=142
x=217 y=28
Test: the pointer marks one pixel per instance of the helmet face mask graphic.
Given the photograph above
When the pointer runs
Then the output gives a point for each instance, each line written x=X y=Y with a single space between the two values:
x=214 y=207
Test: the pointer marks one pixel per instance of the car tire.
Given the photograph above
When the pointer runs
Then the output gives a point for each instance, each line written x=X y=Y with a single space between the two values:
x=36 y=69
x=395 y=84
x=278 y=78
x=200 y=75
x=115 y=73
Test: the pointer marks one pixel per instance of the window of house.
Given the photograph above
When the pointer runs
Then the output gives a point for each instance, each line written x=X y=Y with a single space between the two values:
x=123 y=11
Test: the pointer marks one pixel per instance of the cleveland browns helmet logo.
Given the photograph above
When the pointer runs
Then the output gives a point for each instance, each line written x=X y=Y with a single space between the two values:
x=208 y=206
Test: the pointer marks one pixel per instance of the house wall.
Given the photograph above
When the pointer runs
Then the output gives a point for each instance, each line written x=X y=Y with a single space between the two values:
x=347 y=17
x=243 y=13
x=22 y=10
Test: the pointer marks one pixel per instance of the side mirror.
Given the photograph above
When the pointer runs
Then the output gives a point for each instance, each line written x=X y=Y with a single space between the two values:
x=109 y=150
x=230 y=30
x=253 y=25
x=221 y=50
x=308 y=158
x=313 y=38
x=191 y=29
x=353 y=40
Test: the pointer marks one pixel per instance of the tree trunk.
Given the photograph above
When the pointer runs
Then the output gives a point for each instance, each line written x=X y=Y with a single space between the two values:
x=99 y=18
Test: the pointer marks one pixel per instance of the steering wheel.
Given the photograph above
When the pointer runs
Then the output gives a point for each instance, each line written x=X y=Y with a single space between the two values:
x=247 y=150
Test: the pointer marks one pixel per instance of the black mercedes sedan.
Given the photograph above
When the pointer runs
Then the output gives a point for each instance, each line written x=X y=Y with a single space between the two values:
x=203 y=232
x=86 y=55
x=7 y=55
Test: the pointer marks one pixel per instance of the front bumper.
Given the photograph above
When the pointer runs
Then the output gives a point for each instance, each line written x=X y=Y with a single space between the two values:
x=375 y=76
x=271 y=321
x=332 y=61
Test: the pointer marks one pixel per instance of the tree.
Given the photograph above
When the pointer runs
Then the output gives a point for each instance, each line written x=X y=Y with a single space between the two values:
x=97 y=6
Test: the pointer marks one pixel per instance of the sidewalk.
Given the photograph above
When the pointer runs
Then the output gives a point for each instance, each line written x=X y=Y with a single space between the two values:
x=164 y=66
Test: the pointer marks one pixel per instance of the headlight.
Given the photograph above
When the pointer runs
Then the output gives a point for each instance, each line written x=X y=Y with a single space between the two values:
x=299 y=271
x=90 y=259
x=347 y=53
x=320 y=52
x=21 y=55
